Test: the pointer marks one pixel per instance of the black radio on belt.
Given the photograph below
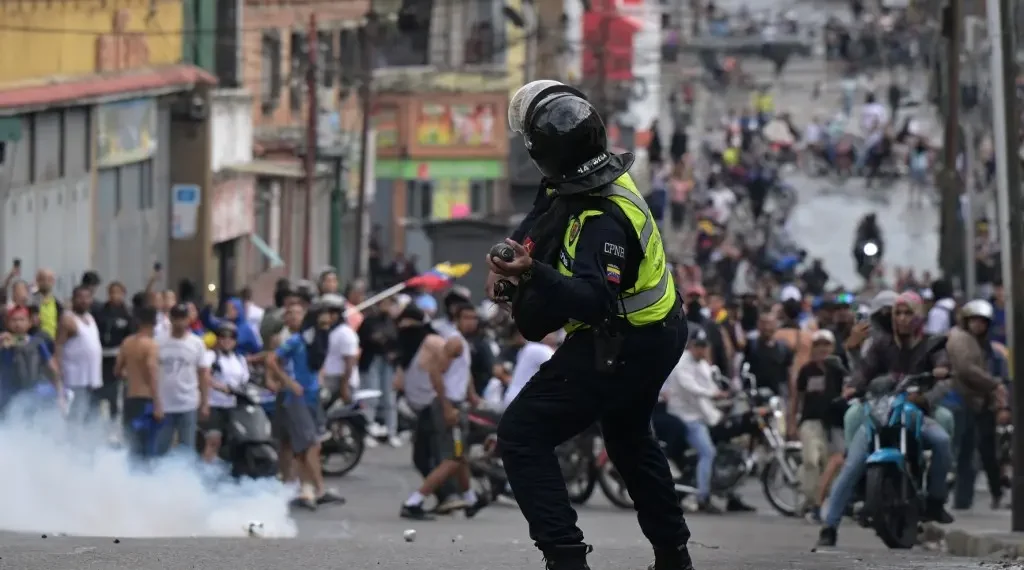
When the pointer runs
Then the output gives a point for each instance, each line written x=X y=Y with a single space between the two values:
x=607 y=348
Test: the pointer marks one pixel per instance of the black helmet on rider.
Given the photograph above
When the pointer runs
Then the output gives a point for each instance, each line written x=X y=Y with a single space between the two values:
x=227 y=329
x=563 y=132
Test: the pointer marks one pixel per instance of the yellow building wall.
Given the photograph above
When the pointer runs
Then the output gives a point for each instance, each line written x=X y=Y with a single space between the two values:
x=515 y=58
x=59 y=37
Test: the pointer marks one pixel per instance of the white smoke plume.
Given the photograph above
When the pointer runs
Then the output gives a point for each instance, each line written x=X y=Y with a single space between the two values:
x=61 y=478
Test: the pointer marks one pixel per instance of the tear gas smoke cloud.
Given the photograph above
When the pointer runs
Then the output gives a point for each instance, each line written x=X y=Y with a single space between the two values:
x=61 y=478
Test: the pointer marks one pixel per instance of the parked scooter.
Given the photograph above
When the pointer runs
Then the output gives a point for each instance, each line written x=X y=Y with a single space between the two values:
x=247 y=445
x=347 y=423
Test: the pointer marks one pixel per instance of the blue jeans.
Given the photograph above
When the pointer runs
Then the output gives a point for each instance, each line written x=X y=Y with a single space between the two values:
x=934 y=438
x=380 y=377
x=699 y=438
x=184 y=424
x=671 y=430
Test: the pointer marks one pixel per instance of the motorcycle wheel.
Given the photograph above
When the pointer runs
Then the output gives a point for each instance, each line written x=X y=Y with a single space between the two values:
x=582 y=488
x=346 y=445
x=613 y=487
x=894 y=521
x=772 y=471
x=576 y=461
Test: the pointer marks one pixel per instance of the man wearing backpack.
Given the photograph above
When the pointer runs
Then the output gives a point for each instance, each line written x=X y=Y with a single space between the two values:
x=296 y=371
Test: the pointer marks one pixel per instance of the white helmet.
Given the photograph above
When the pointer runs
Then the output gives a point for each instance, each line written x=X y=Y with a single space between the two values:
x=979 y=308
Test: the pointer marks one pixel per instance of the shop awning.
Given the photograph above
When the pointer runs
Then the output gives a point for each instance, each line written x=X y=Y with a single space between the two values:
x=265 y=249
x=290 y=169
x=613 y=33
x=100 y=88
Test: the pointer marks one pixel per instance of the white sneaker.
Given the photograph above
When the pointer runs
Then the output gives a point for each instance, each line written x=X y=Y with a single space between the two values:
x=370 y=442
x=377 y=430
x=395 y=441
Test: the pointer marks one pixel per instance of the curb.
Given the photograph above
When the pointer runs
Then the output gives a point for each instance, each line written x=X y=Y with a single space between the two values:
x=977 y=544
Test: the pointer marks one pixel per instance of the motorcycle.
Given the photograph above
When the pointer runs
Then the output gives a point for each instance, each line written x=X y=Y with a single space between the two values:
x=485 y=466
x=347 y=425
x=893 y=482
x=247 y=447
x=576 y=458
x=786 y=457
x=732 y=462
x=870 y=256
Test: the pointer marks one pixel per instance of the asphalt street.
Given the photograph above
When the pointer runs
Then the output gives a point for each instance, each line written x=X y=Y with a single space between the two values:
x=827 y=212
x=367 y=533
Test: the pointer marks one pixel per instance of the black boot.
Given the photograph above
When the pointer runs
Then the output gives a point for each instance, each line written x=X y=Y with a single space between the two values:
x=935 y=510
x=827 y=536
x=736 y=505
x=568 y=557
x=672 y=559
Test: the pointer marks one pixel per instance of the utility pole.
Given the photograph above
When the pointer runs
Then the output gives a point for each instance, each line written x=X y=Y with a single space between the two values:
x=312 y=139
x=971 y=122
x=1011 y=224
x=949 y=181
x=601 y=60
x=367 y=42
x=969 y=215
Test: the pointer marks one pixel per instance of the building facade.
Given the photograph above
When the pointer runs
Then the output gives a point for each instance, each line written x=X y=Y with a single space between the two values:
x=101 y=123
x=293 y=211
x=440 y=157
x=444 y=74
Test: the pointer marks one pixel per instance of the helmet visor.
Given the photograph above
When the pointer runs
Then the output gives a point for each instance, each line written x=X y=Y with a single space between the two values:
x=521 y=101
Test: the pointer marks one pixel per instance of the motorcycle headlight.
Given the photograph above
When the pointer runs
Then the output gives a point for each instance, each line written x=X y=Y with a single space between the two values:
x=870 y=249
x=880 y=409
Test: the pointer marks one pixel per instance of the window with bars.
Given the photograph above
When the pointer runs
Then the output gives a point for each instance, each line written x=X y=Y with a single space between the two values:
x=349 y=55
x=485 y=32
x=297 y=70
x=270 y=71
x=405 y=42
x=325 y=59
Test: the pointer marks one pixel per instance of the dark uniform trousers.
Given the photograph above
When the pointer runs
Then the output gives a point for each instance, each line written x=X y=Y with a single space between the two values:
x=566 y=396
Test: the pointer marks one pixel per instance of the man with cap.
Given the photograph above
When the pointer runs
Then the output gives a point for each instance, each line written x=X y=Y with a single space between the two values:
x=690 y=391
x=588 y=258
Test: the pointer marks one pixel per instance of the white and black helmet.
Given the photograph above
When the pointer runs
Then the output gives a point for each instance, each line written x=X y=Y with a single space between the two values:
x=978 y=308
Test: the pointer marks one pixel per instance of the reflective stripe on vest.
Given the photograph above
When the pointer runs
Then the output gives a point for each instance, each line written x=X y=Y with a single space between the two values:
x=632 y=304
x=648 y=230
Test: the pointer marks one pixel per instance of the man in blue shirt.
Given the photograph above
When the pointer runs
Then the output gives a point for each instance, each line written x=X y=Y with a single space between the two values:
x=298 y=381
x=25 y=361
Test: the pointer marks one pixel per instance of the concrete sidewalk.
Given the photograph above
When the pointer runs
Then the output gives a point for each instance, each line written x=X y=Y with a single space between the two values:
x=979 y=533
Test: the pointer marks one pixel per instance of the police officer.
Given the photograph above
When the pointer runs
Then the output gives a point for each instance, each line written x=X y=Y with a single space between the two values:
x=588 y=258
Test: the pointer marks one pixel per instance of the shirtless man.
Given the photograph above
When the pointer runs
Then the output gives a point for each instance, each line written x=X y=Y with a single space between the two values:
x=138 y=364
x=798 y=341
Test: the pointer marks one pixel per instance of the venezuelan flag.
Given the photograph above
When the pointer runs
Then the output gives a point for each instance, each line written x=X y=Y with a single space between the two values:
x=613 y=273
x=440 y=277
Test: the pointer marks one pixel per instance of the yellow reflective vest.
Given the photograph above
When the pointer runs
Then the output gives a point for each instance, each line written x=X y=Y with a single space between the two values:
x=653 y=295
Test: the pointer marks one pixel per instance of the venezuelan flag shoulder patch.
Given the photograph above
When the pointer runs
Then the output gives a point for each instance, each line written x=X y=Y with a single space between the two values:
x=613 y=273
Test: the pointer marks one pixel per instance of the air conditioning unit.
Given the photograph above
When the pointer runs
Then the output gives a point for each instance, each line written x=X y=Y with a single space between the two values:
x=191 y=106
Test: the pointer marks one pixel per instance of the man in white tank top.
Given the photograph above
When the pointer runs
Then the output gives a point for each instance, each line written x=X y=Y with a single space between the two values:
x=437 y=381
x=80 y=353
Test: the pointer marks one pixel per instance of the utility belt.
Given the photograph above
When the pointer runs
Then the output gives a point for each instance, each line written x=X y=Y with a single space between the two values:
x=610 y=336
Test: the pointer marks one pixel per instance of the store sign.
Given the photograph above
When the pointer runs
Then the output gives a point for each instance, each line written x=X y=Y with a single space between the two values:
x=232 y=214
x=385 y=123
x=185 y=210
x=457 y=125
x=126 y=131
